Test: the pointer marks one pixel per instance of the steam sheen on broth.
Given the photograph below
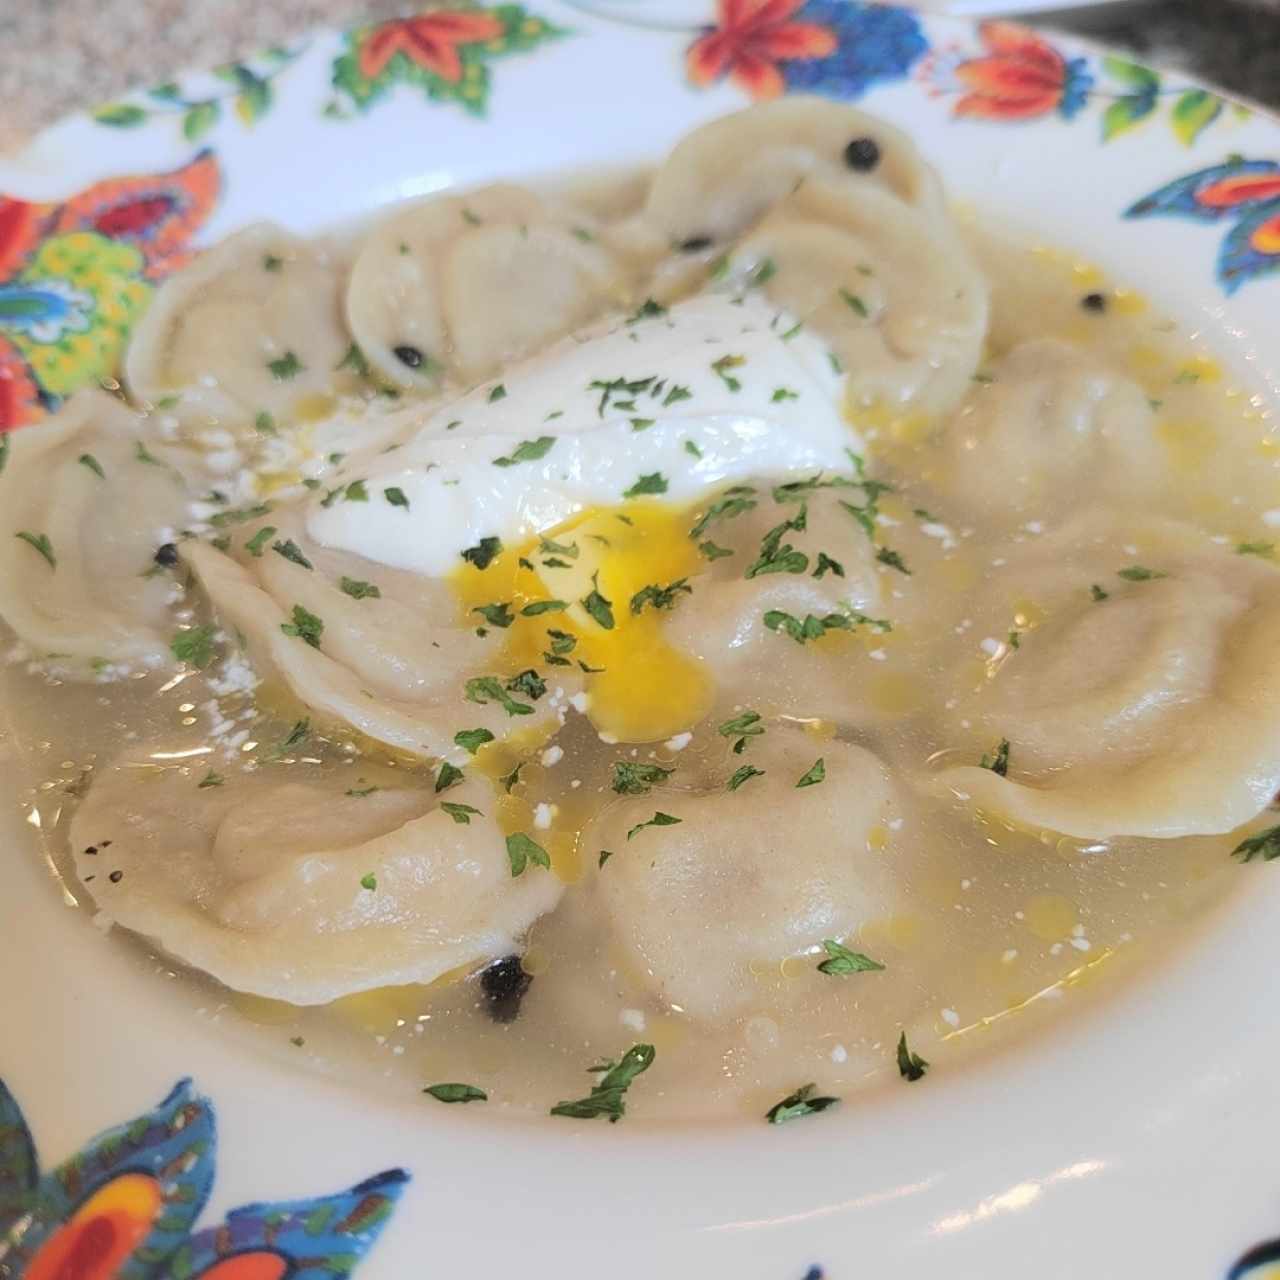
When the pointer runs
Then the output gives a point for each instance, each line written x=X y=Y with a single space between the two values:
x=747 y=609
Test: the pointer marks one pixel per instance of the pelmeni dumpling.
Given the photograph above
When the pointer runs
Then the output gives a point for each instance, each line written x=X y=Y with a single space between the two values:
x=722 y=177
x=1049 y=421
x=469 y=283
x=252 y=326
x=1139 y=694
x=749 y=877
x=84 y=506
x=390 y=657
x=299 y=890
x=787 y=636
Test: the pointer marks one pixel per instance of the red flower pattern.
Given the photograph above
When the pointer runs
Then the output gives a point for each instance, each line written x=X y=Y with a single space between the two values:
x=1019 y=78
x=752 y=37
x=431 y=40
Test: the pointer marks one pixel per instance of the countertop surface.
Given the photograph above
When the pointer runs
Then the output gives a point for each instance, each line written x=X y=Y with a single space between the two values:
x=58 y=55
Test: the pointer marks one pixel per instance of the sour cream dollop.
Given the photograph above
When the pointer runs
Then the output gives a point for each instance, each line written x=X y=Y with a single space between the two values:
x=673 y=403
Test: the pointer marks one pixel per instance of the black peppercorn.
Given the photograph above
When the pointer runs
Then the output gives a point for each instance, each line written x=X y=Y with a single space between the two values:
x=167 y=556
x=862 y=154
x=410 y=356
x=1094 y=302
x=504 y=984
x=695 y=244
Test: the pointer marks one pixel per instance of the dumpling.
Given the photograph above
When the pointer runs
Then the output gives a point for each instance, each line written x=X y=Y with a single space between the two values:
x=298 y=890
x=1051 y=420
x=748 y=878
x=469 y=283
x=789 y=636
x=1137 y=688
x=84 y=506
x=252 y=326
x=722 y=177
x=389 y=657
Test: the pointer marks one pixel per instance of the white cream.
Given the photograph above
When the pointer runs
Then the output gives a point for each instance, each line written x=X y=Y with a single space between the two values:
x=458 y=492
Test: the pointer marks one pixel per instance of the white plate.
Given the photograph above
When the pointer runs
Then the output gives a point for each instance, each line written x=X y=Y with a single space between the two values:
x=1133 y=1139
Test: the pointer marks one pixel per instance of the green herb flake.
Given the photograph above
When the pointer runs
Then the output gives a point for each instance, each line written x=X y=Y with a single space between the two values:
x=1264 y=549
x=485 y=689
x=1097 y=595
x=471 y=217
x=783 y=393
x=194 y=647
x=483 y=554
x=721 y=369
x=143 y=454
x=691 y=448
x=797 y=1104
x=854 y=303
x=734 y=502
x=270 y=262
x=358 y=590
x=600 y=609
x=527 y=451
x=449 y=775
x=744 y=774
x=528 y=682
x=998 y=760
x=659 y=819
x=886 y=555
x=660 y=597
x=742 y=726
x=509 y=780
x=360 y=793
x=632 y=778
x=304 y=626
x=396 y=497
x=537 y=607
x=608 y=1094
x=451 y=1092
x=496 y=615
x=88 y=460
x=647 y=310
x=1264 y=845
x=258 y=543
x=840 y=960
x=292 y=552
x=286 y=367
x=653 y=483
x=369 y=881
x=713 y=551
x=605 y=855
x=522 y=850
x=642 y=424
x=239 y=515
x=816 y=773
x=675 y=395
x=356 y=491
x=298 y=734
x=212 y=779
x=827 y=565
x=471 y=740
x=39 y=542
x=1139 y=573
x=911 y=1066
x=460 y=813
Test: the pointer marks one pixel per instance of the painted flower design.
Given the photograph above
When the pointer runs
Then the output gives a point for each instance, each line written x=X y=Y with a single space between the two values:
x=831 y=47
x=124 y=1208
x=75 y=277
x=445 y=52
x=1246 y=192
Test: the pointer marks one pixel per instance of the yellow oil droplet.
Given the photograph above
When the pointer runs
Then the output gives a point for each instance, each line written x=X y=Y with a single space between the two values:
x=894 y=693
x=565 y=849
x=1085 y=275
x=1050 y=917
x=1128 y=303
x=1191 y=444
x=267 y=1013
x=665 y=1032
x=535 y=961
x=1199 y=369
x=796 y=966
x=272 y=482
x=1028 y=614
x=877 y=837
x=315 y=407
x=383 y=1008
x=820 y=730
x=1145 y=361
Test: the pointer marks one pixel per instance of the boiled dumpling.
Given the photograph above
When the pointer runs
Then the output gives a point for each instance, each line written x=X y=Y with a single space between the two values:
x=722 y=177
x=1050 y=421
x=748 y=878
x=84 y=506
x=302 y=891
x=380 y=650
x=1137 y=689
x=470 y=283
x=253 y=326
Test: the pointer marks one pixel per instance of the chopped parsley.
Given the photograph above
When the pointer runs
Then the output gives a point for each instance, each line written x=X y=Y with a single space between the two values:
x=654 y=483
x=854 y=303
x=597 y=606
x=471 y=740
x=460 y=813
x=194 y=647
x=471 y=216
x=814 y=628
x=485 y=689
x=840 y=960
x=734 y=502
x=521 y=850
x=509 y=780
x=356 y=491
x=743 y=726
x=369 y=881
x=270 y=262
x=620 y=388
x=642 y=424
x=529 y=682
x=827 y=565
x=448 y=776
x=239 y=515
x=305 y=626
x=675 y=395
x=40 y=542
x=396 y=497
x=744 y=774
x=536 y=607
x=355 y=360
x=631 y=778
x=358 y=590
x=1139 y=573
x=886 y=555
x=797 y=1104
x=360 y=793
x=496 y=615
x=561 y=643
x=660 y=597
x=713 y=551
x=143 y=454
x=457 y=1092
x=499 y=392
x=646 y=310
x=777 y=556
x=608 y=1094
x=1097 y=594
x=88 y=460
x=691 y=448
x=211 y=779
x=291 y=551
x=1266 y=845
x=527 y=451
x=4 y=453
x=816 y=773
x=784 y=393
x=605 y=855
x=911 y=1066
x=258 y=543
x=286 y=367
x=482 y=555
x=721 y=369
x=659 y=819
x=1264 y=549
x=299 y=733
x=998 y=760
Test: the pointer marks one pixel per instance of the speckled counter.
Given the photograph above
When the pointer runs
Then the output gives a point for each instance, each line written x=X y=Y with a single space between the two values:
x=57 y=55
